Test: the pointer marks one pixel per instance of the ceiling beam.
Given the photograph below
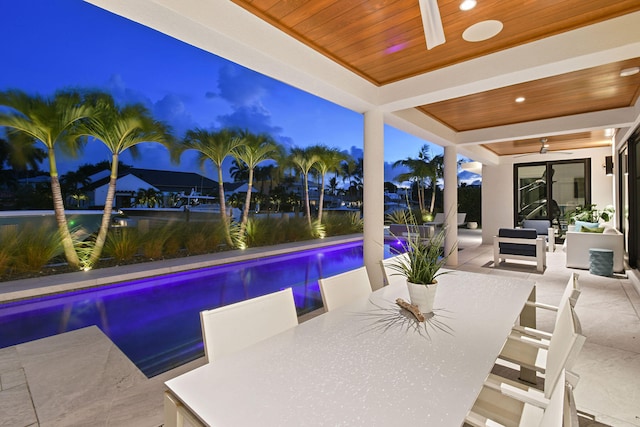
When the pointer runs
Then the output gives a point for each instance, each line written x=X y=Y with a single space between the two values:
x=616 y=118
x=582 y=48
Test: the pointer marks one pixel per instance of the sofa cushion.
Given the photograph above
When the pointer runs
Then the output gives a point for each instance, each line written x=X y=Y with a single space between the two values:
x=518 y=248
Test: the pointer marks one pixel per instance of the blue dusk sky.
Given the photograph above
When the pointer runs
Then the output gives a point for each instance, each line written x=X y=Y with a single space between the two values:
x=49 y=45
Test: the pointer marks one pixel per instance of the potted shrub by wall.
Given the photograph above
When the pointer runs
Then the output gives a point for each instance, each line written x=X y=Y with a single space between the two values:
x=421 y=266
x=589 y=214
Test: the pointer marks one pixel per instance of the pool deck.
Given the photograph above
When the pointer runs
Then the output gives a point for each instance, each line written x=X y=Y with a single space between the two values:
x=81 y=378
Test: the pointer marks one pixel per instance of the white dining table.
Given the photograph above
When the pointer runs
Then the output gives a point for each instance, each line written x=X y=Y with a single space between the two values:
x=368 y=363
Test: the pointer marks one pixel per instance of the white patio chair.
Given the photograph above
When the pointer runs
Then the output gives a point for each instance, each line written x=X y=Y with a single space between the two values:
x=236 y=326
x=389 y=275
x=571 y=294
x=512 y=403
x=511 y=406
x=343 y=288
x=541 y=355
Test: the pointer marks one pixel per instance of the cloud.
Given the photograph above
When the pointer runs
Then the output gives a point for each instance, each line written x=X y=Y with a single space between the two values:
x=171 y=109
x=356 y=152
x=242 y=87
x=255 y=118
x=122 y=94
x=390 y=172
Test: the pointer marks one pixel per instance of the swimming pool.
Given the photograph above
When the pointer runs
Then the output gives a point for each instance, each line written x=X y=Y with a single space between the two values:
x=155 y=321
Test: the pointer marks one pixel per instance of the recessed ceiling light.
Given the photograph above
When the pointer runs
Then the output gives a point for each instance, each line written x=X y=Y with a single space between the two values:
x=482 y=31
x=467 y=4
x=629 y=71
x=520 y=99
x=609 y=132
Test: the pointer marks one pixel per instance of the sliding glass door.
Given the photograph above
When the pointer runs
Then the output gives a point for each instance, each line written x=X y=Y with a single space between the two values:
x=549 y=190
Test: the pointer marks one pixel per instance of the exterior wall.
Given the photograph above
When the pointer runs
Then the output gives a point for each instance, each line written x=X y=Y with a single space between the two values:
x=125 y=183
x=497 y=187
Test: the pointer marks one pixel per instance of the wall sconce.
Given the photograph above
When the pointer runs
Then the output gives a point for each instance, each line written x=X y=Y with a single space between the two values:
x=608 y=165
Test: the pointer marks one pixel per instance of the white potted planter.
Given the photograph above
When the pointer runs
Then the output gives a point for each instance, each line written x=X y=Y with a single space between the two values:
x=421 y=266
x=422 y=296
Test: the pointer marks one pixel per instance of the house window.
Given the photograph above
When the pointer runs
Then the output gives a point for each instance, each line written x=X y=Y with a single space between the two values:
x=550 y=190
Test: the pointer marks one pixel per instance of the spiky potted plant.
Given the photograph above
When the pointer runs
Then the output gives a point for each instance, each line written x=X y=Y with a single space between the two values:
x=421 y=265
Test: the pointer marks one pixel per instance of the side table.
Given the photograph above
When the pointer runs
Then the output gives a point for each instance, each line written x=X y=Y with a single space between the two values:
x=601 y=261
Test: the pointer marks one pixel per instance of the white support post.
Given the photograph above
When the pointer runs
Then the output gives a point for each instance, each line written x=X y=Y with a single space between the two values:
x=451 y=203
x=373 y=183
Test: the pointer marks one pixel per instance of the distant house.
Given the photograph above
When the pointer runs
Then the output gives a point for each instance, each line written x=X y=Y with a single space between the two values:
x=166 y=182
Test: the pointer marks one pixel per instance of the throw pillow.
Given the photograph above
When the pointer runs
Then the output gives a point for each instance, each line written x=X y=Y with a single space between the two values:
x=580 y=224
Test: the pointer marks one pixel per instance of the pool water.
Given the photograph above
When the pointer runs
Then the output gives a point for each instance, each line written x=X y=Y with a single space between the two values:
x=155 y=321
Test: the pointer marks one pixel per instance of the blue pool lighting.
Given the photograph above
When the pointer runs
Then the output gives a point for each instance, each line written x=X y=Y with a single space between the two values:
x=155 y=321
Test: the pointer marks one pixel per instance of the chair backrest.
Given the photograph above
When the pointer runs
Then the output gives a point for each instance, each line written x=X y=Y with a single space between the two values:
x=439 y=218
x=565 y=343
x=571 y=292
x=540 y=225
x=461 y=218
x=343 y=288
x=236 y=326
x=389 y=275
x=554 y=412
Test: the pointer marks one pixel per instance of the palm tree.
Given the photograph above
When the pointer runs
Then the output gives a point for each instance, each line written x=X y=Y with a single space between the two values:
x=328 y=160
x=148 y=197
x=20 y=152
x=120 y=129
x=437 y=168
x=214 y=146
x=255 y=149
x=304 y=160
x=238 y=171
x=71 y=184
x=351 y=172
x=50 y=121
x=419 y=170
x=333 y=186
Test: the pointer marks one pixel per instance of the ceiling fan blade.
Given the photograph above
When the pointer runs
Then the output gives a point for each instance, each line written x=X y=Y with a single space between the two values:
x=566 y=153
x=432 y=23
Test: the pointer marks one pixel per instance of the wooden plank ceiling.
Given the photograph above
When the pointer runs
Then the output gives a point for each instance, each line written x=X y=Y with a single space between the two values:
x=383 y=41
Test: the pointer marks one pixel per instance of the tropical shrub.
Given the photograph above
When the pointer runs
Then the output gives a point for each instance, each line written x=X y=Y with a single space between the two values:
x=123 y=244
x=176 y=232
x=8 y=244
x=195 y=243
x=37 y=246
x=203 y=237
x=276 y=230
x=340 y=223
x=154 y=241
x=400 y=216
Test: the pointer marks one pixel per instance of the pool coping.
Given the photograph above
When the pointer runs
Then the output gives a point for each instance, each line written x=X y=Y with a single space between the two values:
x=47 y=285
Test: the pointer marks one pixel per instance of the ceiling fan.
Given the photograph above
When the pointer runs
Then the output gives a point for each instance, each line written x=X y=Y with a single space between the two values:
x=544 y=148
x=432 y=23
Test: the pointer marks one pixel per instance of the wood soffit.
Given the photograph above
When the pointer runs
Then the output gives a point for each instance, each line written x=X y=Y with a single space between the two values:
x=383 y=42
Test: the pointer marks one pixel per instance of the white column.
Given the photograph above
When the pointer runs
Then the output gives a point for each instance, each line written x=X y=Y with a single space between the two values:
x=451 y=203
x=373 y=197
